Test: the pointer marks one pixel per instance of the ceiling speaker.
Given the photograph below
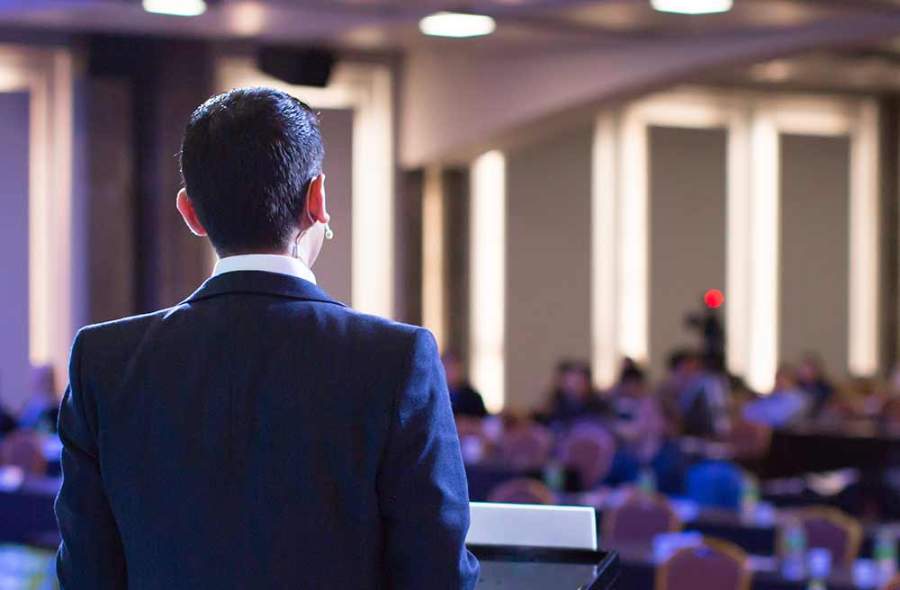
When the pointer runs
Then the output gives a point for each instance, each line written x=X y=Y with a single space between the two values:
x=301 y=67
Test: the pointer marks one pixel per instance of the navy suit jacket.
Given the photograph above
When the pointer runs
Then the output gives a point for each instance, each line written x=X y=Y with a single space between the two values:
x=260 y=435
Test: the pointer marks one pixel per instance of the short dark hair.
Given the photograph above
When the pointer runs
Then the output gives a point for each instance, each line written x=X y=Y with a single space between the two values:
x=247 y=159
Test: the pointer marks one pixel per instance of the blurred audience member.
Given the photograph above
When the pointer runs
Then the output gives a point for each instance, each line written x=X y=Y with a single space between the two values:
x=573 y=396
x=7 y=422
x=640 y=429
x=811 y=380
x=463 y=397
x=785 y=405
x=882 y=402
x=702 y=397
x=637 y=416
x=709 y=324
x=683 y=368
x=879 y=400
x=715 y=483
x=42 y=409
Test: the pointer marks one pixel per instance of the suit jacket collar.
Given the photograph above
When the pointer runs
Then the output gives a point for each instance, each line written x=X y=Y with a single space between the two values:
x=252 y=282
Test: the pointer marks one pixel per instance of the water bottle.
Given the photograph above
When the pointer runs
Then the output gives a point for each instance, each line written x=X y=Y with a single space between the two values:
x=818 y=567
x=749 y=498
x=794 y=547
x=885 y=554
x=647 y=481
x=555 y=475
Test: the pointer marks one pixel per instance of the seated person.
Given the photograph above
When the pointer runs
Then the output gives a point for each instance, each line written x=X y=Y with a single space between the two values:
x=786 y=404
x=42 y=409
x=642 y=433
x=573 y=396
x=811 y=380
x=463 y=397
x=703 y=399
x=715 y=484
x=683 y=368
x=637 y=416
x=7 y=422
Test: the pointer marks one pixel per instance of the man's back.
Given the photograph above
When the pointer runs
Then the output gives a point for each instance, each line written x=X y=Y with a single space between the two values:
x=260 y=435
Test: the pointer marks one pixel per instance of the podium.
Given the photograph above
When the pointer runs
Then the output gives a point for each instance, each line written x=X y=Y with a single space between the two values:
x=529 y=547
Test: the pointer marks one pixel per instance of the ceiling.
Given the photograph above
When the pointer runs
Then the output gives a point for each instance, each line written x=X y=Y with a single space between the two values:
x=391 y=24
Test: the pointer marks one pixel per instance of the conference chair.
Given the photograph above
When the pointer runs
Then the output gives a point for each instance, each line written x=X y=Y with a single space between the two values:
x=890 y=414
x=713 y=564
x=522 y=491
x=831 y=529
x=588 y=450
x=22 y=449
x=893 y=584
x=638 y=519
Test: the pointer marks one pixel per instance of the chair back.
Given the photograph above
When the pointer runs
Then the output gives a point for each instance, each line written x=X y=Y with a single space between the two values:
x=713 y=564
x=638 y=519
x=829 y=528
x=23 y=449
x=588 y=450
x=893 y=584
x=526 y=447
x=522 y=491
x=890 y=413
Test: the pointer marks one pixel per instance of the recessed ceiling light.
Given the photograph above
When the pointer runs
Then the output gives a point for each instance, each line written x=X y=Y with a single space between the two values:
x=176 y=7
x=457 y=24
x=693 y=6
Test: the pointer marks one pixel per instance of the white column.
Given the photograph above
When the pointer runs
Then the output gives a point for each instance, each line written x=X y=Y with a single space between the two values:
x=604 y=252
x=487 y=297
x=433 y=256
x=764 y=226
x=864 y=237
x=633 y=240
x=737 y=238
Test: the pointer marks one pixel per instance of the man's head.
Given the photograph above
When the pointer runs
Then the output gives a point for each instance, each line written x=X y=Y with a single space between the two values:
x=684 y=363
x=573 y=378
x=251 y=160
x=453 y=368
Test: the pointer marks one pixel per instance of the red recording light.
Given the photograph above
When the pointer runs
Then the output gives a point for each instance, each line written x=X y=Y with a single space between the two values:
x=714 y=299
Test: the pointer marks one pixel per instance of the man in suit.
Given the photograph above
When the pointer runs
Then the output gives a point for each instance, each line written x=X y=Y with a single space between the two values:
x=259 y=435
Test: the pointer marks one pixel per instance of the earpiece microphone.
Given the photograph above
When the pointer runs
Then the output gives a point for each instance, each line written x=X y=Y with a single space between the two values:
x=329 y=235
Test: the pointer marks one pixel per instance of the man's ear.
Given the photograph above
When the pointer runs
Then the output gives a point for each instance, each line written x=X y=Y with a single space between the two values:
x=315 y=200
x=189 y=214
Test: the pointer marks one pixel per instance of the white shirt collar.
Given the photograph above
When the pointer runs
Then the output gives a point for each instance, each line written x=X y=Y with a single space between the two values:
x=284 y=265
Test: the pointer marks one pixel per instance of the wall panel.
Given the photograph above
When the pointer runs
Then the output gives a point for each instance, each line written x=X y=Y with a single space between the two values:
x=814 y=248
x=548 y=261
x=333 y=269
x=14 y=170
x=687 y=180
